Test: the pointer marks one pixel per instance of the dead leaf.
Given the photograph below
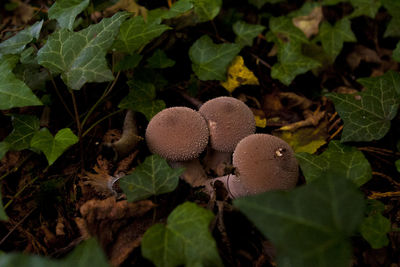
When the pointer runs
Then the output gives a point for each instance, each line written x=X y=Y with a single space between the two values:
x=23 y=13
x=128 y=5
x=312 y=119
x=307 y=139
x=296 y=100
x=113 y=223
x=239 y=74
x=362 y=53
x=309 y=24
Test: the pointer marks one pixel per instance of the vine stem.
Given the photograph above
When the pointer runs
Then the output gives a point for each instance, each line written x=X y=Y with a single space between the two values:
x=78 y=126
x=19 y=192
x=97 y=122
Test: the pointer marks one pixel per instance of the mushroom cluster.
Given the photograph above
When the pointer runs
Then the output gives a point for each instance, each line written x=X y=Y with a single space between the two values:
x=227 y=127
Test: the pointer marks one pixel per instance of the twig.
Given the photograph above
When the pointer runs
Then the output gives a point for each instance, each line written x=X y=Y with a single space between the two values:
x=260 y=60
x=336 y=133
x=376 y=195
x=97 y=122
x=78 y=126
x=390 y=179
x=20 y=191
x=16 y=226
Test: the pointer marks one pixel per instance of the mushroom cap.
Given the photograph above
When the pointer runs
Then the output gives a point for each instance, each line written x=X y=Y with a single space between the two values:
x=265 y=162
x=229 y=121
x=177 y=134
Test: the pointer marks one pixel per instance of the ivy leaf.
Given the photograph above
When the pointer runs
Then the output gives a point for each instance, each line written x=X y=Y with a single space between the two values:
x=210 y=61
x=333 y=37
x=333 y=2
x=393 y=7
x=206 y=9
x=153 y=177
x=397 y=164
x=396 y=53
x=367 y=114
x=159 y=60
x=80 y=56
x=245 y=33
x=25 y=127
x=141 y=98
x=260 y=3
x=337 y=161
x=184 y=241
x=65 y=11
x=14 y=92
x=3 y=215
x=178 y=8
x=17 y=43
x=283 y=27
x=85 y=254
x=4 y=147
x=311 y=225
x=375 y=226
x=365 y=7
x=291 y=62
x=129 y=62
x=136 y=33
x=53 y=147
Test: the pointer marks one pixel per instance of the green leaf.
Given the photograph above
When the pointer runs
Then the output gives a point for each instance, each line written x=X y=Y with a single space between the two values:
x=4 y=147
x=65 y=11
x=365 y=7
x=374 y=229
x=85 y=254
x=375 y=226
x=210 y=61
x=17 y=43
x=367 y=114
x=178 y=8
x=153 y=177
x=53 y=147
x=14 y=92
x=259 y=3
x=337 y=161
x=159 y=60
x=184 y=241
x=25 y=127
x=129 y=62
x=311 y=225
x=135 y=33
x=3 y=215
x=141 y=98
x=80 y=56
x=397 y=163
x=393 y=7
x=245 y=33
x=332 y=38
x=206 y=9
x=396 y=53
x=284 y=27
x=291 y=62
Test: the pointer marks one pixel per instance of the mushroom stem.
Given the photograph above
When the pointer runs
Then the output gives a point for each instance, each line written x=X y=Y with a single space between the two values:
x=194 y=173
x=217 y=161
x=231 y=183
x=129 y=138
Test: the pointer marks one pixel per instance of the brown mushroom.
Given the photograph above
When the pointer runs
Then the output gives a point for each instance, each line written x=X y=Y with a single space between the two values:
x=179 y=134
x=229 y=121
x=263 y=163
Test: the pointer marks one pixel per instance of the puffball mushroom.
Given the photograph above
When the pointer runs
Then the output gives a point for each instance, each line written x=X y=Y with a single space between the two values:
x=263 y=163
x=229 y=121
x=179 y=134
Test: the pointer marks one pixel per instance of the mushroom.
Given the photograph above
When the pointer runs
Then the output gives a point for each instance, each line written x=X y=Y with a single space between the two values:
x=263 y=163
x=229 y=121
x=180 y=134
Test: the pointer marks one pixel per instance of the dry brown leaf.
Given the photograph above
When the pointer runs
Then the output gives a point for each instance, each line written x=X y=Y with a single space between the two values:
x=23 y=13
x=114 y=225
x=309 y=24
x=362 y=53
x=100 y=180
x=296 y=100
x=128 y=5
x=312 y=119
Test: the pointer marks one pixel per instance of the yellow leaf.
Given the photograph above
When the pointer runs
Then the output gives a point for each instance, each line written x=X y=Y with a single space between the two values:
x=307 y=139
x=260 y=122
x=238 y=74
